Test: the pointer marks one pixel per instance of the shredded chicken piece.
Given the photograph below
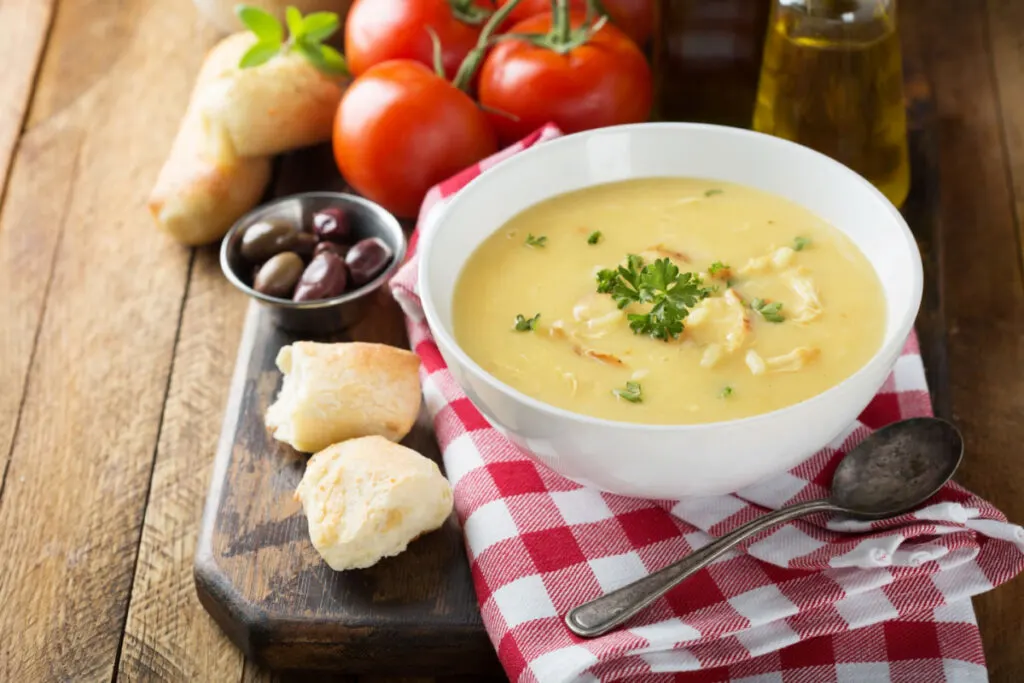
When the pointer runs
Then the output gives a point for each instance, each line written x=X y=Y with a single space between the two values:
x=601 y=356
x=793 y=361
x=572 y=381
x=558 y=332
x=712 y=354
x=661 y=251
x=639 y=374
x=774 y=260
x=809 y=307
x=734 y=324
x=598 y=313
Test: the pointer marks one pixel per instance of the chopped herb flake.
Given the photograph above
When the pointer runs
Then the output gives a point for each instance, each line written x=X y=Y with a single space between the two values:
x=712 y=193
x=594 y=237
x=725 y=393
x=524 y=324
x=632 y=393
x=716 y=268
x=769 y=312
x=532 y=241
x=799 y=243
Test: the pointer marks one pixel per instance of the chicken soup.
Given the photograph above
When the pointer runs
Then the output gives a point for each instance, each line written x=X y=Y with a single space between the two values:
x=669 y=301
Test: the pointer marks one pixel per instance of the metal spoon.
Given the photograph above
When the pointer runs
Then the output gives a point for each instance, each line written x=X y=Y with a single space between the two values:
x=891 y=472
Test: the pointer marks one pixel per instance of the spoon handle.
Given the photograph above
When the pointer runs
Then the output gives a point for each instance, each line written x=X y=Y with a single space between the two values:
x=602 y=614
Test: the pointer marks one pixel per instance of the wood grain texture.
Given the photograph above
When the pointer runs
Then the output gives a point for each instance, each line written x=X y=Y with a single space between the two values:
x=81 y=462
x=983 y=286
x=24 y=25
x=168 y=636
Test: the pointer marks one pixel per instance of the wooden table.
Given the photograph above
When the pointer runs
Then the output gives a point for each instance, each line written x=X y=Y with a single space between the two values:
x=118 y=345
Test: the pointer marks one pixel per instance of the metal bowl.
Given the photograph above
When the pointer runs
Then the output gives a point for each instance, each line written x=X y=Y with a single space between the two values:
x=367 y=219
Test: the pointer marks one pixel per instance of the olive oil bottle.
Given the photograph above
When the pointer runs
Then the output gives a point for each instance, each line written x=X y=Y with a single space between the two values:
x=832 y=79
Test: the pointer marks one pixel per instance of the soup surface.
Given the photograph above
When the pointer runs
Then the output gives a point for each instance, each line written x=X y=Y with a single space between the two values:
x=785 y=307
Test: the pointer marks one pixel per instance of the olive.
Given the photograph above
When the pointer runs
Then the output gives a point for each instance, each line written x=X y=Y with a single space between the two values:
x=331 y=224
x=366 y=259
x=325 y=277
x=277 y=277
x=264 y=239
x=337 y=249
x=305 y=244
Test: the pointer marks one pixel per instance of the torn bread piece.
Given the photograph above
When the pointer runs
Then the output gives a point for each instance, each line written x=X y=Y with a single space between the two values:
x=333 y=392
x=367 y=499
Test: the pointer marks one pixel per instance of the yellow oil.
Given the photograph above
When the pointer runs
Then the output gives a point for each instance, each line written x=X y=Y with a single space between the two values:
x=832 y=79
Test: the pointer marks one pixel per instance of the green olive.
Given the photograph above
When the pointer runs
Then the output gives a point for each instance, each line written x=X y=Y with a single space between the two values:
x=278 y=276
x=264 y=239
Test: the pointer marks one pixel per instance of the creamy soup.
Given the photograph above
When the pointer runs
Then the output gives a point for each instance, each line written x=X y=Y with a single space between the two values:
x=778 y=305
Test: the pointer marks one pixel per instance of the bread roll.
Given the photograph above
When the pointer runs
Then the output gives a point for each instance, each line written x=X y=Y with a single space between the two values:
x=236 y=119
x=333 y=392
x=368 y=498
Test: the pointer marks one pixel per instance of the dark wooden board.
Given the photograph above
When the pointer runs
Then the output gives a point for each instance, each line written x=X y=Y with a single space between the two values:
x=263 y=582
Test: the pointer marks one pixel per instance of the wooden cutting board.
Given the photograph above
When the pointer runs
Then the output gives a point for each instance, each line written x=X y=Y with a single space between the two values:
x=260 y=578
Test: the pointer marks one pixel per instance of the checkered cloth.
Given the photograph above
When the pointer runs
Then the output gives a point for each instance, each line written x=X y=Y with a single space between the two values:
x=803 y=602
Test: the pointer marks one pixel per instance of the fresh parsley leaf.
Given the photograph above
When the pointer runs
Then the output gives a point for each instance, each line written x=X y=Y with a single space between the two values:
x=769 y=312
x=263 y=24
x=725 y=393
x=319 y=26
x=532 y=241
x=712 y=193
x=716 y=268
x=632 y=393
x=800 y=242
x=259 y=53
x=670 y=292
x=594 y=237
x=524 y=324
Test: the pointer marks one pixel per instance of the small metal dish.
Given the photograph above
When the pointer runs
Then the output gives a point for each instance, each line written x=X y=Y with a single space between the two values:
x=367 y=219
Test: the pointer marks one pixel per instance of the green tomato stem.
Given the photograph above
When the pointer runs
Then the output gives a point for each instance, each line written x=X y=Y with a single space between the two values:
x=472 y=61
x=561 y=23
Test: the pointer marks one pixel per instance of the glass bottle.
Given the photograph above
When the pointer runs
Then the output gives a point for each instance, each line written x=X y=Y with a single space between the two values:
x=832 y=79
x=707 y=54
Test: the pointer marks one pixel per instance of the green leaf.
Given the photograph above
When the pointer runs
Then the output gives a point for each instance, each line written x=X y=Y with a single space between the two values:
x=524 y=324
x=259 y=53
x=800 y=242
x=319 y=26
x=264 y=25
x=333 y=60
x=594 y=237
x=725 y=393
x=717 y=267
x=293 y=17
x=532 y=241
x=632 y=393
x=770 y=312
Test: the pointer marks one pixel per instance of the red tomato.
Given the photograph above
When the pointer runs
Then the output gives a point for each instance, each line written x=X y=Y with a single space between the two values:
x=634 y=17
x=604 y=82
x=379 y=30
x=401 y=129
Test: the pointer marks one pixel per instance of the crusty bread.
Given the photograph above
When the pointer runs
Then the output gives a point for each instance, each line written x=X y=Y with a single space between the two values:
x=367 y=499
x=333 y=392
x=236 y=119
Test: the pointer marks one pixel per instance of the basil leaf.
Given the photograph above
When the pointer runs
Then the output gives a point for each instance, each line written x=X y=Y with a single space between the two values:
x=319 y=26
x=264 y=25
x=294 y=19
x=333 y=60
x=259 y=53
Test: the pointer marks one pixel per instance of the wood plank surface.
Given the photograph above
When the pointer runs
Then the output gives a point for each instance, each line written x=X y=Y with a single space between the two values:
x=81 y=460
x=983 y=289
x=24 y=25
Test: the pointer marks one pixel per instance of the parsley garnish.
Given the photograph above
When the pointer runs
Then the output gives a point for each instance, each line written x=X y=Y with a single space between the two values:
x=712 y=193
x=524 y=324
x=800 y=242
x=632 y=393
x=769 y=312
x=725 y=393
x=532 y=241
x=594 y=237
x=660 y=283
x=716 y=267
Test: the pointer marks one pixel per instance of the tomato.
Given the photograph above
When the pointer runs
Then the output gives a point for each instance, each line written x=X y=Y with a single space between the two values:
x=604 y=82
x=401 y=129
x=379 y=30
x=634 y=17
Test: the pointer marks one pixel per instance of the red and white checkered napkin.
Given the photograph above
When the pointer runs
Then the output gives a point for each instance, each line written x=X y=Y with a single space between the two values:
x=800 y=603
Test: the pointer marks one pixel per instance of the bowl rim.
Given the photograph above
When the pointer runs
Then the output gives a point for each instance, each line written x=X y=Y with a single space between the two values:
x=891 y=348
x=397 y=259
